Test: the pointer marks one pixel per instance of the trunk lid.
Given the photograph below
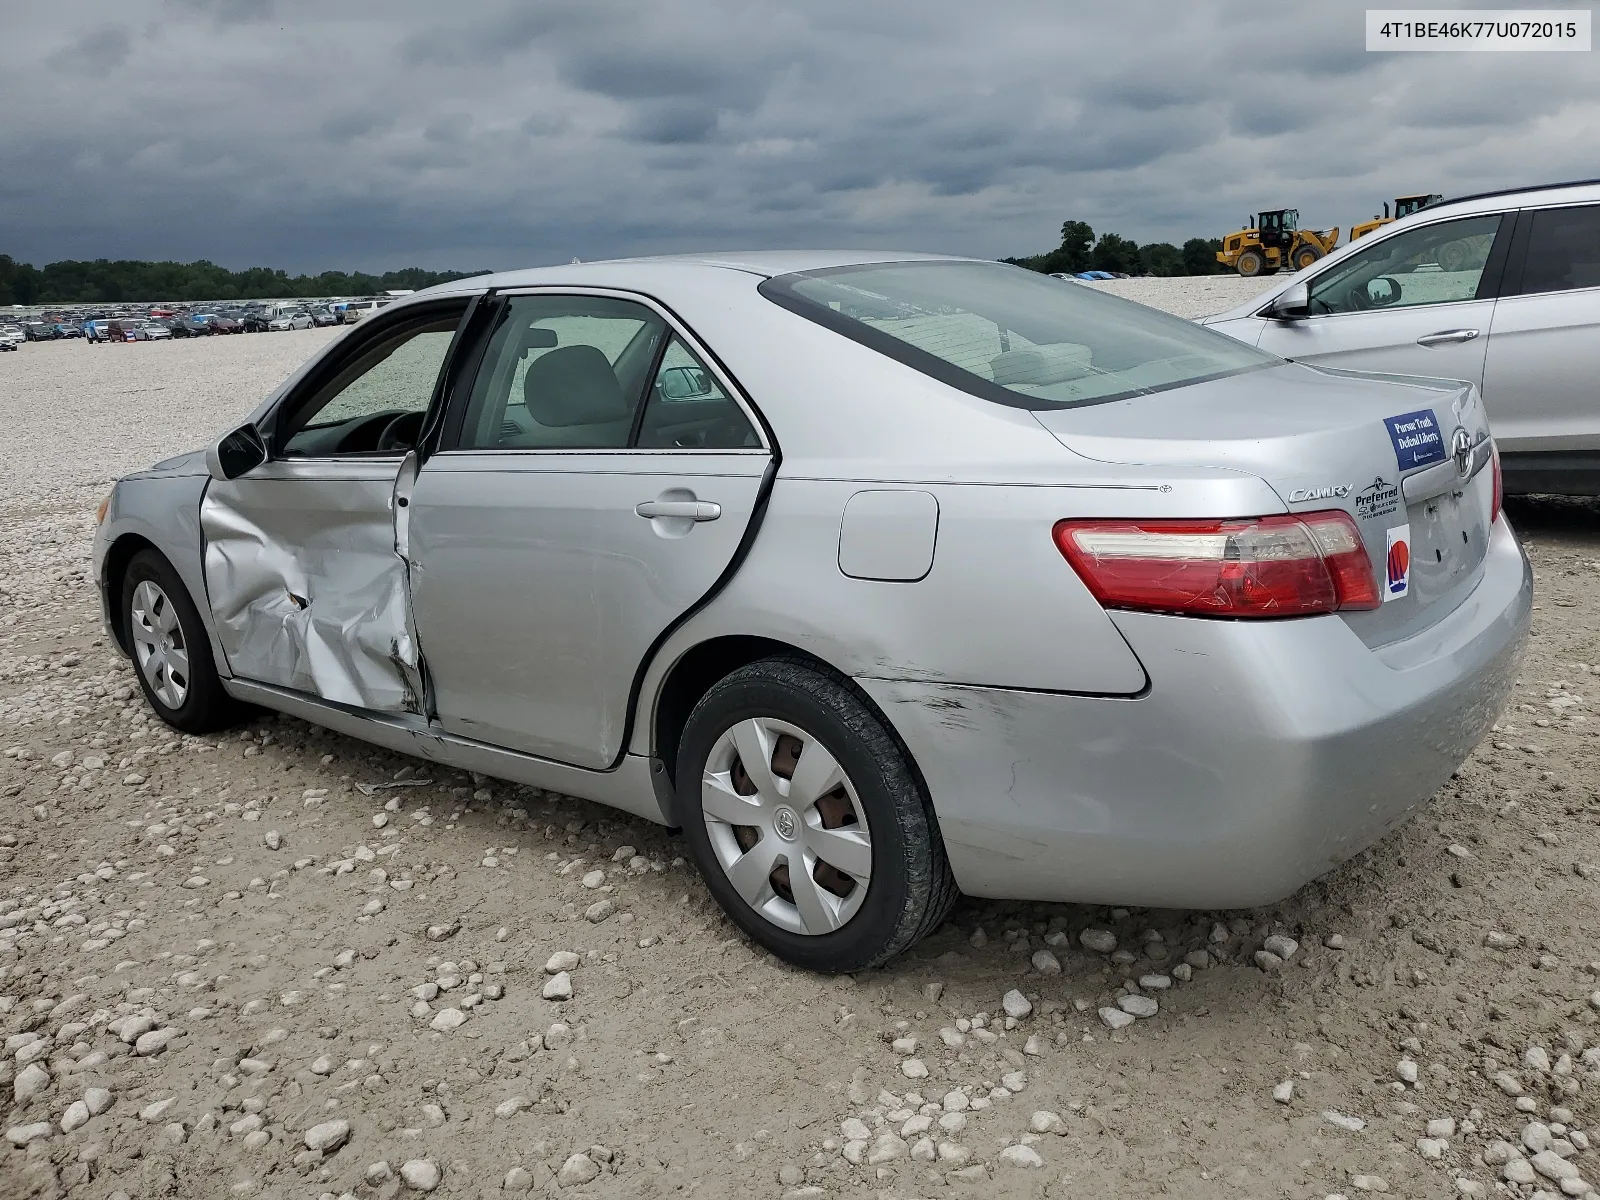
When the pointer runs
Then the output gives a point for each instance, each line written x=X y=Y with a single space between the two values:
x=1376 y=446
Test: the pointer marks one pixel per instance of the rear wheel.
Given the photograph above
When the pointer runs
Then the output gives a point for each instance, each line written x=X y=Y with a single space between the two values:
x=807 y=821
x=1304 y=256
x=1251 y=263
x=171 y=652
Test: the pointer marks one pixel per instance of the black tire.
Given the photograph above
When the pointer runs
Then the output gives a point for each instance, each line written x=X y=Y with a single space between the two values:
x=1304 y=256
x=205 y=707
x=1250 y=263
x=911 y=889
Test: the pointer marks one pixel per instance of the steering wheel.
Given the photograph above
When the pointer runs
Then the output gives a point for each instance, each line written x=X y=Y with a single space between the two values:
x=1358 y=299
x=402 y=432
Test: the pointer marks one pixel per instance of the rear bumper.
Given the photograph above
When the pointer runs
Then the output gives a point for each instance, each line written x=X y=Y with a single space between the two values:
x=1262 y=755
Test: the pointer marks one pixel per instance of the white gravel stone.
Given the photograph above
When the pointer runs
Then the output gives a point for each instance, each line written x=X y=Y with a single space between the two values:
x=33 y=1080
x=1138 y=1006
x=1284 y=1092
x=561 y=960
x=578 y=1169
x=1116 y=1018
x=420 y=1174
x=447 y=1019
x=22 y=1135
x=328 y=1136
x=1046 y=963
x=558 y=987
x=1442 y=1127
x=914 y=1068
x=1045 y=1121
x=1100 y=941
x=1343 y=1121
x=1016 y=1005
x=76 y=1116
x=97 y=1100
x=1284 y=947
x=1020 y=1156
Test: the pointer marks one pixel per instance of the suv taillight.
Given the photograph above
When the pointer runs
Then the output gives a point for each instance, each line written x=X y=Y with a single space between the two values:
x=1278 y=566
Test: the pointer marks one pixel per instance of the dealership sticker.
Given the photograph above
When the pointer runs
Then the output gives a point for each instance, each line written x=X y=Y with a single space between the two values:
x=1378 y=499
x=1416 y=437
x=1397 y=563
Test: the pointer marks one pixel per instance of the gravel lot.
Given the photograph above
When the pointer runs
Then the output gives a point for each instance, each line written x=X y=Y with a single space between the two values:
x=280 y=963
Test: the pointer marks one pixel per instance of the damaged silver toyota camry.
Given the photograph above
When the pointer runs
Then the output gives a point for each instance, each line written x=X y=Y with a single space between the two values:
x=881 y=577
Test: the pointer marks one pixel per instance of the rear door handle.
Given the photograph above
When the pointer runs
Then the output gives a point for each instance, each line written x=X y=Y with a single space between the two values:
x=1446 y=336
x=693 y=510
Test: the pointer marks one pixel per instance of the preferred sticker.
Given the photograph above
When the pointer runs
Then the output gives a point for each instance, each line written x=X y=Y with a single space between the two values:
x=1416 y=437
x=1397 y=564
x=1378 y=499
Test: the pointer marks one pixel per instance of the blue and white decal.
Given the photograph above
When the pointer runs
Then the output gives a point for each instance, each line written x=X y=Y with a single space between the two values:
x=1416 y=437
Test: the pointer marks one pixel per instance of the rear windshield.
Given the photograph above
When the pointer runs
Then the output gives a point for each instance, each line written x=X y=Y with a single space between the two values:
x=1012 y=335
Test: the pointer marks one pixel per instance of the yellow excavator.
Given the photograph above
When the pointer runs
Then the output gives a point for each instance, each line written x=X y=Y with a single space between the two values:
x=1404 y=206
x=1275 y=240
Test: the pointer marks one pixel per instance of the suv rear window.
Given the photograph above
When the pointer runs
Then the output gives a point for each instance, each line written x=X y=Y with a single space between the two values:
x=1011 y=335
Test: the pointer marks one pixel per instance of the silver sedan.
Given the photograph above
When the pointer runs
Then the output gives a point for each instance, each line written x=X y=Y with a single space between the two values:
x=881 y=577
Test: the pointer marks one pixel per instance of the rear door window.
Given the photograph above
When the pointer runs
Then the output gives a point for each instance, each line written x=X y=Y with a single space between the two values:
x=1563 y=250
x=562 y=373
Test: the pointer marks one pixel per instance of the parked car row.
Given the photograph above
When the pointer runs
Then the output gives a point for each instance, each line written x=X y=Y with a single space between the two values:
x=166 y=322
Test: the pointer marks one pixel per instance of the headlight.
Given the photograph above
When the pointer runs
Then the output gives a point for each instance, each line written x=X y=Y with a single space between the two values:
x=100 y=513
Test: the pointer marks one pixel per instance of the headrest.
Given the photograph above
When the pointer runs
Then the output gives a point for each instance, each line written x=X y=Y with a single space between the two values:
x=1039 y=365
x=573 y=385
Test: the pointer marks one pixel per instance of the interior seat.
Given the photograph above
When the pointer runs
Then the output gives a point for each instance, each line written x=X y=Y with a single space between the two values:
x=573 y=397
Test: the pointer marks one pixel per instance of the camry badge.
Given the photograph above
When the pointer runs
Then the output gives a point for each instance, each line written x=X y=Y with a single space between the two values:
x=1331 y=491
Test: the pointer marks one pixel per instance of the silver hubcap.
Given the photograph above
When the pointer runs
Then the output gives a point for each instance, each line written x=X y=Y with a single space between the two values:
x=786 y=826
x=158 y=644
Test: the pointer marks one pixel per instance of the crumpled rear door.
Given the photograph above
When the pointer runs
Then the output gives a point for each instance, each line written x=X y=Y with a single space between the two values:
x=306 y=585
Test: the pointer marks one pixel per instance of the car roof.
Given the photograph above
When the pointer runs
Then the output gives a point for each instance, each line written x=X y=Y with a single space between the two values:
x=763 y=263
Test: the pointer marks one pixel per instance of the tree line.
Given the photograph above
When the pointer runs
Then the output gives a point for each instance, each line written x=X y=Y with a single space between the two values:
x=105 y=281
x=1080 y=250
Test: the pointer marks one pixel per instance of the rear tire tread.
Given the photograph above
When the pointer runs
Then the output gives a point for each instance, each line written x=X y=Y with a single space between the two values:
x=930 y=887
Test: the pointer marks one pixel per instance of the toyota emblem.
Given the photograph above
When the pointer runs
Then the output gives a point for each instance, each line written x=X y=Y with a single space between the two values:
x=1461 y=451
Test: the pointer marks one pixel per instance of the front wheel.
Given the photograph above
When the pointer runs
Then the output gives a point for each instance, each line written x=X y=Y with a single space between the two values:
x=1304 y=256
x=807 y=820
x=170 y=649
x=1251 y=263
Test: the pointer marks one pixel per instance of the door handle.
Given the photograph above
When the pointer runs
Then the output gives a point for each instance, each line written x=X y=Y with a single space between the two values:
x=1446 y=336
x=692 y=510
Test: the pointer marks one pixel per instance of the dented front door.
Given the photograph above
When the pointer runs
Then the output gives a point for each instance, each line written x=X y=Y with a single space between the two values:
x=307 y=583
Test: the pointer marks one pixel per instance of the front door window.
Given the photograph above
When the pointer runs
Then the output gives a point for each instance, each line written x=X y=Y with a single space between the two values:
x=1434 y=264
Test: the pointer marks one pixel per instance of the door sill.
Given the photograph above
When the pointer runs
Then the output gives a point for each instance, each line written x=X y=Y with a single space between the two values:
x=631 y=786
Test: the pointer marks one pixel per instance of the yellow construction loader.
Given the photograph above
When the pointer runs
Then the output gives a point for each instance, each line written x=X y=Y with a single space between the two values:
x=1404 y=206
x=1275 y=240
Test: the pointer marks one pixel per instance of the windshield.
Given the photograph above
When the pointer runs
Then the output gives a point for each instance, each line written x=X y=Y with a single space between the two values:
x=1011 y=335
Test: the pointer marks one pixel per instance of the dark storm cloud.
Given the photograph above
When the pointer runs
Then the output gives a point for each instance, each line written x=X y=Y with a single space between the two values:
x=94 y=53
x=501 y=132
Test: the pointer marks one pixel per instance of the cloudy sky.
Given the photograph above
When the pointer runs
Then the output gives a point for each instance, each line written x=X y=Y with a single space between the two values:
x=372 y=134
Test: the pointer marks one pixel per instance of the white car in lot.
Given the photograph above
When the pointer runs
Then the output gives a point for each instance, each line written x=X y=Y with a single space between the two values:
x=290 y=320
x=1501 y=290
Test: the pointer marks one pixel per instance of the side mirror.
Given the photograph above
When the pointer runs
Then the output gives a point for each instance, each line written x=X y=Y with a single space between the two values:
x=1383 y=291
x=236 y=454
x=1292 y=304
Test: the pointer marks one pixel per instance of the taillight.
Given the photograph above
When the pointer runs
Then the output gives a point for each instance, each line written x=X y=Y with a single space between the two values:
x=1499 y=484
x=1278 y=566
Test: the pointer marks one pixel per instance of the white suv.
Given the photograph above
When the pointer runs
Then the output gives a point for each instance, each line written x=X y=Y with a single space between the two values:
x=1500 y=289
